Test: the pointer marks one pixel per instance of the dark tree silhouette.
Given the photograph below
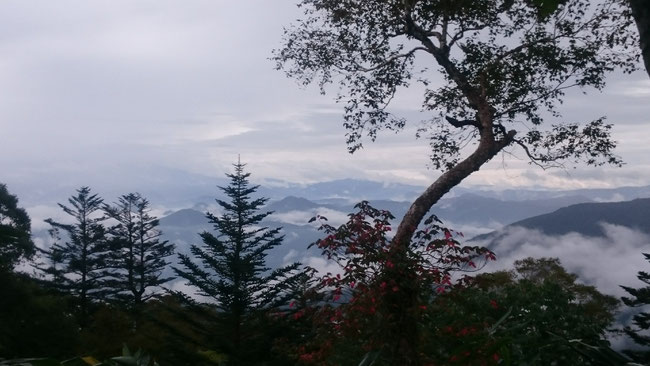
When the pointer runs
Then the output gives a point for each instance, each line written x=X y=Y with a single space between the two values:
x=138 y=254
x=79 y=259
x=229 y=269
x=640 y=297
x=15 y=231
x=641 y=14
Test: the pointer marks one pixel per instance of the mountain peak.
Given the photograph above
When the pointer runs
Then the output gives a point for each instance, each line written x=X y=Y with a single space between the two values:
x=291 y=203
x=184 y=217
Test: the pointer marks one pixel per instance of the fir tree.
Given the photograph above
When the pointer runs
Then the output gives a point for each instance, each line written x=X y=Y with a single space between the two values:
x=139 y=256
x=640 y=297
x=79 y=259
x=229 y=269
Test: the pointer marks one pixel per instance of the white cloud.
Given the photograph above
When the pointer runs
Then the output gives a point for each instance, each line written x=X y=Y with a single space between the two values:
x=470 y=230
x=323 y=266
x=605 y=262
x=39 y=213
x=636 y=89
x=290 y=257
x=334 y=217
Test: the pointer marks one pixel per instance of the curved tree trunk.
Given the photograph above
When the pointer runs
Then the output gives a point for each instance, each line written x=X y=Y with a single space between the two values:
x=405 y=351
x=486 y=150
x=405 y=330
x=641 y=14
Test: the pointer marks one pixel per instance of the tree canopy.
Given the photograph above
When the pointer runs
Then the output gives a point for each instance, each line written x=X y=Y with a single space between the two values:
x=505 y=68
x=15 y=231
x=229 y=269
x=534 y=314
x=139 y=256
x=79 y=259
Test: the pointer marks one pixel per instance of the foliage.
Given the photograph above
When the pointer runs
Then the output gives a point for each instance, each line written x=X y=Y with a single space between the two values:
x=506 y=66
x=368 y=302
x=536 y=314
x=33 y=322
x=640 y=12
x=157 y=332
x=15 y=231
x=78 y=261
x=138 y=254
x=232 y=272
x=503 y=62
x=640 y=298
x=641 y=15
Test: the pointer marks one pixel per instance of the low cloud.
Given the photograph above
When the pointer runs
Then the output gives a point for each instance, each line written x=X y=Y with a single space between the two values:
x=38 y=214
x=605 y=262
x=334 y=217
x=322 y=265
x=470 y=230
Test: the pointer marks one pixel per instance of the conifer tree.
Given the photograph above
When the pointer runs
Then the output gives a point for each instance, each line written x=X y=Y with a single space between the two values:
x=640 y=333
x=229 y=269
x=15 y=231
x=138 y=253
x=78 y=260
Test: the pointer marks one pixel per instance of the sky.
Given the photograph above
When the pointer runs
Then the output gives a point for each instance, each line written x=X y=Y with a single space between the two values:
x=131 y=93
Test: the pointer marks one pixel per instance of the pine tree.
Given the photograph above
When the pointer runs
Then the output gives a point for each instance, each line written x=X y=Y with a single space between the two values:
x=229 y=269
x=139 y=256
x=78 y=260
x=640 y=297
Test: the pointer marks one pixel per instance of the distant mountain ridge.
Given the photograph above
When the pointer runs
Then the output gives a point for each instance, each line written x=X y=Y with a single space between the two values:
x=626 y=193
x=292 y=214
x=585 y=219
x=184 y=217
x=293 y=203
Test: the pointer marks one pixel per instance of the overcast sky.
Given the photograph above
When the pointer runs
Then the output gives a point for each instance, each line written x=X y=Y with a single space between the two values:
x=109 y=92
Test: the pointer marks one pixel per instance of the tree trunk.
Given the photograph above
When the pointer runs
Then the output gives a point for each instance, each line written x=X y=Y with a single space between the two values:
x=641 y=14
x=405 y=331
x=406 y=328
x=485 y=151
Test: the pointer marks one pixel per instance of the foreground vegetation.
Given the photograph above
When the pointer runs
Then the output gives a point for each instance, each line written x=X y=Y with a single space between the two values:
x=536 y=313
x=397 y=299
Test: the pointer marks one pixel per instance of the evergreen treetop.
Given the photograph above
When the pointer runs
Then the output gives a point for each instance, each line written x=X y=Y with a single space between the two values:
x=139 y=255
x=229 y=269
x=79 y=260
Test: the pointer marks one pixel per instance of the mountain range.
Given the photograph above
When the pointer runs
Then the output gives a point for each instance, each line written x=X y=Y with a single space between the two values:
x=585 y=219
x=514 y=223
x=485 y=218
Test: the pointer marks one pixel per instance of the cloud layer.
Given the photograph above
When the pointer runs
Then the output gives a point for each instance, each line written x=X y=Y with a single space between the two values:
x=106 y=89
x=605 y=262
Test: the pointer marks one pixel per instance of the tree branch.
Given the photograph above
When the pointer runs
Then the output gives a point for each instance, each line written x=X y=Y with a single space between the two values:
x=459 y=124
x=389 y=60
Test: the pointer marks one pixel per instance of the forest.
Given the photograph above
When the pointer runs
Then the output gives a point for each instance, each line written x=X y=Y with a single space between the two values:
x=407 y=290
x=100 y=288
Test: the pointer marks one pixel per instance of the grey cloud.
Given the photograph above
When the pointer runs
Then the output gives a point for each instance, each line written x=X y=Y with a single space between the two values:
x=107 y=88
